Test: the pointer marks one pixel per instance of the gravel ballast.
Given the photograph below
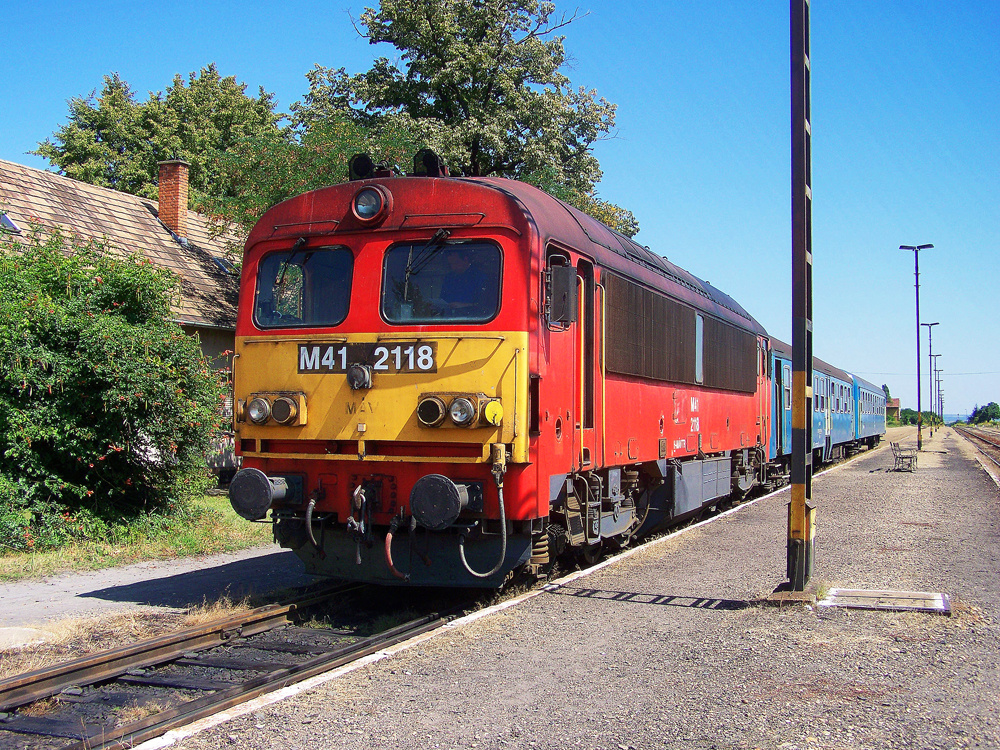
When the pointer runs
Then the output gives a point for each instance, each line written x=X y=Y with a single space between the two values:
x=669 y=648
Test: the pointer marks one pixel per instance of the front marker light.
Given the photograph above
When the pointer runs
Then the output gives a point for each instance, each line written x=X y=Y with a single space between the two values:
x=258 y=410
x=431 y=411
x=493 y=412
x=284 y=410
x=462 y=411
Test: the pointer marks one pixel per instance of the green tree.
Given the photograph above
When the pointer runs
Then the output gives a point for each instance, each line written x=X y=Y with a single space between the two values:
x=115 y=141
x=480 y=82
x=256 y=173
x=106 y=406
x=988 y=413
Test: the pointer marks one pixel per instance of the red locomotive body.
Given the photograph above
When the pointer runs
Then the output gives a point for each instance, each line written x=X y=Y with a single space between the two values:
x=444 y=380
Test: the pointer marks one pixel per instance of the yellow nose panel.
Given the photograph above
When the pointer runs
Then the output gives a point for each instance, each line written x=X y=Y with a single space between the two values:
x=405 y=366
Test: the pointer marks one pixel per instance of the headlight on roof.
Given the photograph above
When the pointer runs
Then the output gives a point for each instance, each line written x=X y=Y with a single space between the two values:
x=371 y=204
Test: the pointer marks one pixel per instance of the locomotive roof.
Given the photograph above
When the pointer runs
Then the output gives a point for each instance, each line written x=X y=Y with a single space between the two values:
x=557 y=220
x=553 y=220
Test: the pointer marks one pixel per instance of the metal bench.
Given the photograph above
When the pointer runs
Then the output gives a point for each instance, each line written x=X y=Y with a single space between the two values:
x=904 y=459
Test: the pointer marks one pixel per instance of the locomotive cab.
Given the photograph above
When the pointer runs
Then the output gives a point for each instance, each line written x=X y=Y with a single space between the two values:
x=381 y=381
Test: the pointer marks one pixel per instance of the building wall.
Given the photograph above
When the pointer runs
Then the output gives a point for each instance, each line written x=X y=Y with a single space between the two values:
x=214 y=342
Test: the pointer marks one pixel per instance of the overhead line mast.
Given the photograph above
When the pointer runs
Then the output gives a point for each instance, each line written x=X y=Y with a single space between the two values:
x=801 y=512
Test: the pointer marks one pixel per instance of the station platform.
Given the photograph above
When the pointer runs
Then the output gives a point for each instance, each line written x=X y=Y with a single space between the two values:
x=671 y=647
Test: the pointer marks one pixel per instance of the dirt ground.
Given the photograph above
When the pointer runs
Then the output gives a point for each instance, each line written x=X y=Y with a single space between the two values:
x=671 y=649
x=161 y=586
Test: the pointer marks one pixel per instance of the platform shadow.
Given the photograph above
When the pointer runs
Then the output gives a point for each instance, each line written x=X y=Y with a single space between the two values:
x=643 y=597
x=235 y=580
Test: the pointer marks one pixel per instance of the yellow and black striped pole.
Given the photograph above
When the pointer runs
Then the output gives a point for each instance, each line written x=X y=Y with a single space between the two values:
x=801 y=513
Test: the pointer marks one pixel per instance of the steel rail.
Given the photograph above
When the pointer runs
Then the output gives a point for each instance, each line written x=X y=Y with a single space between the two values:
x=975 y=437
x=157 y=724
x=101 y=667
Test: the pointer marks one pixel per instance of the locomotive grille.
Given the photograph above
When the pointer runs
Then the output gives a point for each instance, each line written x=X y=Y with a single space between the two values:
x=730 y=357
x=650 y=335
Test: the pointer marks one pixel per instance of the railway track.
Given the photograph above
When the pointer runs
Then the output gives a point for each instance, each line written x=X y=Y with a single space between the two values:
x=987 y=441
x=119 y=698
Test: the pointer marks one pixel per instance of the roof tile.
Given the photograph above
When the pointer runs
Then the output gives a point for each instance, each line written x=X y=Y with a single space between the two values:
x=208 y=296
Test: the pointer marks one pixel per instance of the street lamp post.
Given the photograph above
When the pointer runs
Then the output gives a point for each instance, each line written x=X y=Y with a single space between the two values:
x=930 y=370
x=940 y=394
x=916 y=275
x=934 y=382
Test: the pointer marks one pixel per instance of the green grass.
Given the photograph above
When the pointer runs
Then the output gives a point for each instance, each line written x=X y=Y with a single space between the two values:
x=211 y=526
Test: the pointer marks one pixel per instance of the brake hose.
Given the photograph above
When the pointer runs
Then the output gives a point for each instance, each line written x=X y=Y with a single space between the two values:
x=503 y=542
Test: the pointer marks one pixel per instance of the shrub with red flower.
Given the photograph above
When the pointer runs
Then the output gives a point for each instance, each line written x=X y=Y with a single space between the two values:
x=104 y=406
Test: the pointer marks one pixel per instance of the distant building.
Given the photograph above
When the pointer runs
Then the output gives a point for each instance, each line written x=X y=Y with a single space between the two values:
x=163 y=231
x=892 y=409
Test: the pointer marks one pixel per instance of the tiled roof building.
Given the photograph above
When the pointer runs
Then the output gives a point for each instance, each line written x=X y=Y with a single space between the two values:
x=892 y=409
x=163 y=231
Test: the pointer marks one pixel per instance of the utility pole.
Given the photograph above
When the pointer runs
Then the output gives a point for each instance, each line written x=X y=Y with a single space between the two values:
x=801 y=512
x=916 y=275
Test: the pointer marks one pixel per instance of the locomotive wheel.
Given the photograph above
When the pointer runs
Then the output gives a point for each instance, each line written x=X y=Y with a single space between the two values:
x=589 y=554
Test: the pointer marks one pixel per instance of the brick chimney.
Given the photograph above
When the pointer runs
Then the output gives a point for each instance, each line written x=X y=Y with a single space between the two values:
x=174 y=195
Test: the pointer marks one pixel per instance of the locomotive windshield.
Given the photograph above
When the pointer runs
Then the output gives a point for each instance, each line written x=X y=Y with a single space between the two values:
x=300 y=288
x=441 y=283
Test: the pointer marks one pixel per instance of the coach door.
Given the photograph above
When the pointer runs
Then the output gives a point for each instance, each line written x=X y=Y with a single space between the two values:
x=779 y=407
x=828 y=420
x=763 y=394
x=587 y=375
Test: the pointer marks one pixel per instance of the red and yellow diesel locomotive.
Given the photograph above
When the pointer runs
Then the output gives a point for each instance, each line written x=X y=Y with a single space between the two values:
x=443 y=380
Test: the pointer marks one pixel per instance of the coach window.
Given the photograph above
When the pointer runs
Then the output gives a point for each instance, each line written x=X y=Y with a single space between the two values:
x=303 y=288
x=454 y=282
x=699 y=349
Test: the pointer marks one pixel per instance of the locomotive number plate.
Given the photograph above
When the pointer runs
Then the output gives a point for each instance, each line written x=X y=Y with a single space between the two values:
x=397 y=356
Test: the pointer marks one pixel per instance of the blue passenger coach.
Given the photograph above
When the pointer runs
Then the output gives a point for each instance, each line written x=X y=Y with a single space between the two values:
x=781 y=402
x=848 y=412
x=869 y=408
x=833 y=410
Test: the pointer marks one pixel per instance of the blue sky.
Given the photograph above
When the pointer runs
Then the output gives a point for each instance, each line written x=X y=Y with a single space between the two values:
x=905 y=107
